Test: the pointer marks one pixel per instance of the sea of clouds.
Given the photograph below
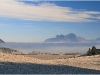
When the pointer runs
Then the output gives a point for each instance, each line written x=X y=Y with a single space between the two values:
x=51 y=47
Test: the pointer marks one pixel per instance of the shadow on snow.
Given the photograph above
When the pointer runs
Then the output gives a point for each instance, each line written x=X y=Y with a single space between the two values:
x=30 y=68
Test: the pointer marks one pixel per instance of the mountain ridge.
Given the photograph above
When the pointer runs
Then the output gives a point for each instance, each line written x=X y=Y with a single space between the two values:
x=71 y=37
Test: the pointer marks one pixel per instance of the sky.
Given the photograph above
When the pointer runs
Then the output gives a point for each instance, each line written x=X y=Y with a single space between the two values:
x=35 y=21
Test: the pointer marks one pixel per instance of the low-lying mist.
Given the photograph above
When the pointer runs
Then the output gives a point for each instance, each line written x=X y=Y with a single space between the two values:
x=51 y=47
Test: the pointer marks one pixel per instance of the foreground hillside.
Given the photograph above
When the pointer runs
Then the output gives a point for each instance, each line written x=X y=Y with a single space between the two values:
x=22 y=64
x=9 y=51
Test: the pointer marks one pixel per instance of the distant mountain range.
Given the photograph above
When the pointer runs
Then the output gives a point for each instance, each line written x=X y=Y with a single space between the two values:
x=98 y=39
x=95 y=40
x=69 y=38
x=1 y=41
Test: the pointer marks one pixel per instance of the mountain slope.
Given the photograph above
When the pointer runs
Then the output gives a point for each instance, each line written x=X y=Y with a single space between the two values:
x=1 y=41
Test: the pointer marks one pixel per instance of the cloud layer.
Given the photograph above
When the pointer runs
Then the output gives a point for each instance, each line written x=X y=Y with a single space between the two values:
x=45 y=12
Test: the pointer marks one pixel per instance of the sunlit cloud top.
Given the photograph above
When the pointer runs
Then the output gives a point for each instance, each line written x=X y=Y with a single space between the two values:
x=45 y=12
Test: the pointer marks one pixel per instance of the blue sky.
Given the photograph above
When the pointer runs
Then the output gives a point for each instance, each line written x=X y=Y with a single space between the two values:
x=35 y=21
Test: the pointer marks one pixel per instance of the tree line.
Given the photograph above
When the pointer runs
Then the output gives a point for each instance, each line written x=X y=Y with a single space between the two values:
x=92 y=51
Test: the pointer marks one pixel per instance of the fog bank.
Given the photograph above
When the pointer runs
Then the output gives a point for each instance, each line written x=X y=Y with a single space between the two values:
x=51 y=47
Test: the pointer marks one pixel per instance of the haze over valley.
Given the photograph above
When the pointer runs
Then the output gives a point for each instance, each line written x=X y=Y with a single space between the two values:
x=69 y=43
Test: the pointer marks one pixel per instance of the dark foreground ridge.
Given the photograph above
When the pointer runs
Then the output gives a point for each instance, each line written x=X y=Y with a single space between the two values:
x=29 y=68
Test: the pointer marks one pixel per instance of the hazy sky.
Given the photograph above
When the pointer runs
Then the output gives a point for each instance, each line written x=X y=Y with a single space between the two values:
x=35 y=21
